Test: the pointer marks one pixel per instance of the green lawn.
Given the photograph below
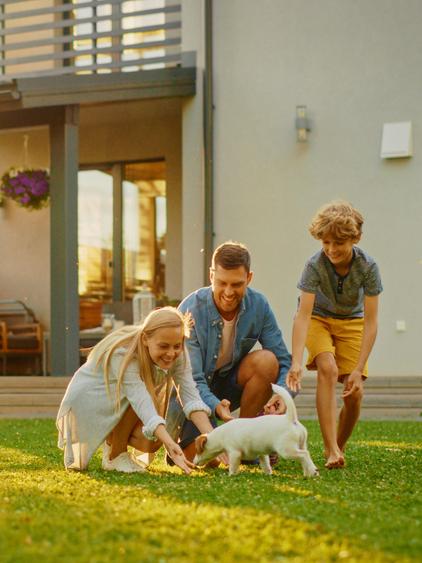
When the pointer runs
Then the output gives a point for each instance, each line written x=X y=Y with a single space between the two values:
x=370 y=511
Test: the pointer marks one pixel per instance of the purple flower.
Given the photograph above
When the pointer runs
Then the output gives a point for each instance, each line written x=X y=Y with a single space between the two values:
x=29 y=188
x=25 y=180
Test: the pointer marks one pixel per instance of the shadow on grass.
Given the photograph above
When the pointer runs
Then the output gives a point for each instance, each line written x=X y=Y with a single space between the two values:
x=142 y=529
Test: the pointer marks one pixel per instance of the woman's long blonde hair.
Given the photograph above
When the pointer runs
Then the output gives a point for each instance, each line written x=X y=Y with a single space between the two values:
x=131 y=339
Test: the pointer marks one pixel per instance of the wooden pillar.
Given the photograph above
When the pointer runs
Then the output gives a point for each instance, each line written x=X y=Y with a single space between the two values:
x=64 y=341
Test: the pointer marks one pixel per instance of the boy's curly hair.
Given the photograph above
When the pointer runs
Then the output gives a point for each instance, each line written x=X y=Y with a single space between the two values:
x=338 y=219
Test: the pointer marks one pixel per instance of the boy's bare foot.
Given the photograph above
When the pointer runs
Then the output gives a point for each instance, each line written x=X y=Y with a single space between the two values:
x=335 y=461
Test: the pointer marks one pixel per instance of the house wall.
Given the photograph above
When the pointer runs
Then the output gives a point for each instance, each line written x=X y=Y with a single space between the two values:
x=129 y=131
x=25 y=235
x=354 y=64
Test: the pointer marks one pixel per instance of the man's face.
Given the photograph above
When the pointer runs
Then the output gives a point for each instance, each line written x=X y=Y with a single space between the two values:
x=228 y=289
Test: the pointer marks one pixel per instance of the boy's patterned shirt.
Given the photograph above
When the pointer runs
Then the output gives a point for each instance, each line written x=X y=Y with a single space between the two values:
x=338 y=296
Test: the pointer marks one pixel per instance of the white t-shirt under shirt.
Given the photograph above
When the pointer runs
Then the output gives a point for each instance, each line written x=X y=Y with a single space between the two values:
x=225 y=355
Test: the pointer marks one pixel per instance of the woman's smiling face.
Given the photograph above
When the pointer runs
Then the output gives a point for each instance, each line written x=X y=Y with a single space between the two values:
x=164 y=346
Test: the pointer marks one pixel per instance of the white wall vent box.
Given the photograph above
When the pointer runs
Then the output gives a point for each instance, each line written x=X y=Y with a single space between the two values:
x=397 y=140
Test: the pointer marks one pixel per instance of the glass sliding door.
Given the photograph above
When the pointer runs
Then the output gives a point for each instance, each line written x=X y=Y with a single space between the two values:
x=111 y=265
x=144 y=227
x=95 y=233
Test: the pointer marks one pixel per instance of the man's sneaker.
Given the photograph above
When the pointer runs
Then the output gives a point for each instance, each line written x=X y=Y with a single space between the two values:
x=274 y=459
x=169 y=461
x=124 y=463
x=250 y=461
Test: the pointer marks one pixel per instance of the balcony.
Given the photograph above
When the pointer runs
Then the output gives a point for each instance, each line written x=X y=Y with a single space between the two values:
x=89 y=51
x=45 y=38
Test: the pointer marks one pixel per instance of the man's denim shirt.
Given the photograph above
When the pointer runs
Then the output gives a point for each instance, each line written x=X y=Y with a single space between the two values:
x=255 y=323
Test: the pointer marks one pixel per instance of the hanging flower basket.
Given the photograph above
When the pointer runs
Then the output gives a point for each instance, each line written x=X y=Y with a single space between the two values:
x=29 y=188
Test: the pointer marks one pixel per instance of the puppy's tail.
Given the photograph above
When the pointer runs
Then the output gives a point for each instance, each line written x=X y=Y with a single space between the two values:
x=291 y=412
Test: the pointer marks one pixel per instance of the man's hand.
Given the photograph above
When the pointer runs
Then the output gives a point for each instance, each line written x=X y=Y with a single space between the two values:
x=222 y=410
x=223 y=458
x=294 y=376
x=275 y=405
x=353 y=384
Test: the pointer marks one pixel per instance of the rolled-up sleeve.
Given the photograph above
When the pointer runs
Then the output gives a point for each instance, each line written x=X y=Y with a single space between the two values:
x=140 y=400
x=186 y=387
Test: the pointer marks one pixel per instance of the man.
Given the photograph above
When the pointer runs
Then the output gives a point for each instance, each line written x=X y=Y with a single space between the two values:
x=229 y=319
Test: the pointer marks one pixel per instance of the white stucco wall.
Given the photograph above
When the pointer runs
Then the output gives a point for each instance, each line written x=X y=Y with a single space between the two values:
x=356 y=66
x=25 y=235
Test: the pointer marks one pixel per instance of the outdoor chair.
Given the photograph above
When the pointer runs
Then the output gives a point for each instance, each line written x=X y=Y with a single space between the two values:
x=21 y=335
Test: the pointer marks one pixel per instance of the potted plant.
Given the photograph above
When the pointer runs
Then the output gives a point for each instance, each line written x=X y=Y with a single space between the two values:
x=29 y=188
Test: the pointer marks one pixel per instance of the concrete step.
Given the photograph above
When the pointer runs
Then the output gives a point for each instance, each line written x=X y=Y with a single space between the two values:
x=31 y=396
x=385 y=397
x=32 y=411
x=407 y=383
x=380 y=413
x=373 y=400
x=26 y=382
x=30 y=399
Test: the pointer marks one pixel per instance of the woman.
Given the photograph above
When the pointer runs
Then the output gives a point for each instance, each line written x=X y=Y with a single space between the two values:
x=120 y=395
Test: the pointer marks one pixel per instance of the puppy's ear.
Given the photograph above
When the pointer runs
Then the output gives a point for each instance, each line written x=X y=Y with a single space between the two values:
x=200 y=442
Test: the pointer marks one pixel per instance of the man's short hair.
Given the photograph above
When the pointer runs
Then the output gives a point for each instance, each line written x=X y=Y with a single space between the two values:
x=231 y=255
x=338 y=219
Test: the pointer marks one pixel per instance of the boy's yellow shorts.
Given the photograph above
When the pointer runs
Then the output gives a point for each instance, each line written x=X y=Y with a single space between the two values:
x=341 y=337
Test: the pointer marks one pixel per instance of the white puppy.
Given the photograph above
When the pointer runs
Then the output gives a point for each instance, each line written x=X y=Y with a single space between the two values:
x=249 y=438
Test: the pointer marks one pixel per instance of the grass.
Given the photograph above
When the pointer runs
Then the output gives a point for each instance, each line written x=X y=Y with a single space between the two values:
x=370 y=511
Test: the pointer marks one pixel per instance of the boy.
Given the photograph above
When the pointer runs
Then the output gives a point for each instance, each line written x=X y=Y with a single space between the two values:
x=337 y=321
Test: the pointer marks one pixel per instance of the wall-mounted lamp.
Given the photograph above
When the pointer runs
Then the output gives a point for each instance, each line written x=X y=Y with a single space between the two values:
x=303 y=124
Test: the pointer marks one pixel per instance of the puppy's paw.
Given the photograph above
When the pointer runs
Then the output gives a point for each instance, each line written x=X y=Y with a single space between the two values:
x=312 y=472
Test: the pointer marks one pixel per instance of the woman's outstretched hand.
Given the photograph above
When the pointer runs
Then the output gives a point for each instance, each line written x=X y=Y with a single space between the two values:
x=177 y=455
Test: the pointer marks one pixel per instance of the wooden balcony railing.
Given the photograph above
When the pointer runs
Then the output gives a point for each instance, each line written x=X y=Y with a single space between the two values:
x=52 y=37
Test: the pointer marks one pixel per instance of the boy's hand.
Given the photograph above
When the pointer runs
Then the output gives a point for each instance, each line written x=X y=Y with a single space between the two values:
x=353 y=384
x=294 y=376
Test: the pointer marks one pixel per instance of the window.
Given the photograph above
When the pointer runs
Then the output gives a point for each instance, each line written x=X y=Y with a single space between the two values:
x=95 y=233
x=142 y=188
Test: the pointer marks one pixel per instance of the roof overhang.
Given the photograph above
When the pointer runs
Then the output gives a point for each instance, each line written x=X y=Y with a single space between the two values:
x=24 y=93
